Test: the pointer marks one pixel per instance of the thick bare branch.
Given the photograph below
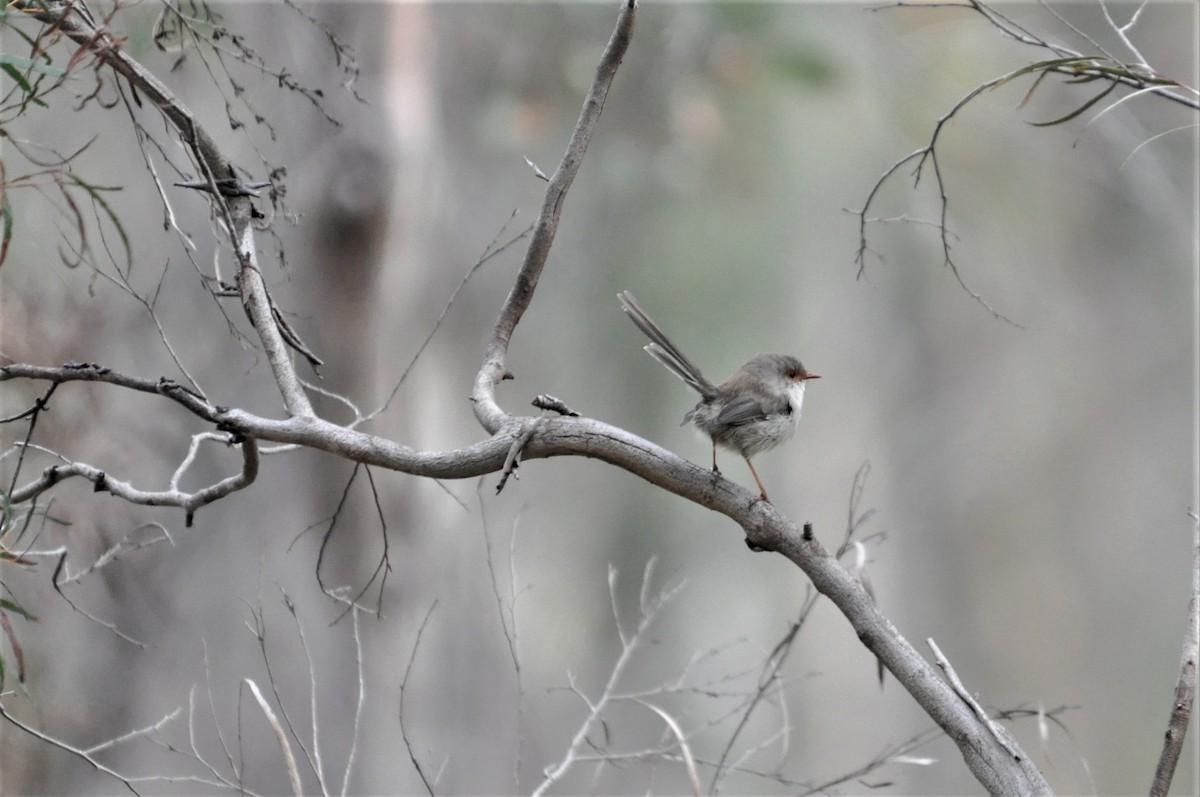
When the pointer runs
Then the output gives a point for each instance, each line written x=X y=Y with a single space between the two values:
x=493 y=369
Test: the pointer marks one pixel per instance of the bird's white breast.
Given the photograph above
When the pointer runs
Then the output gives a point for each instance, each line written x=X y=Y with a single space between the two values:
x=796 y=399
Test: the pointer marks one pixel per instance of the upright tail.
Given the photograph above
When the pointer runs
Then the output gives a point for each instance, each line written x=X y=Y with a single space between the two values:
x=662 y=349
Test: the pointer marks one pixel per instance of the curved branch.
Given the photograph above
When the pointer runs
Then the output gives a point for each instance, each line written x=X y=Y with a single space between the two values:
x=92 y=372
x=1074 y=65
x=929 y=153
x=493 y=370
x=1137 y=76
x=105 y=483
x=993 y=758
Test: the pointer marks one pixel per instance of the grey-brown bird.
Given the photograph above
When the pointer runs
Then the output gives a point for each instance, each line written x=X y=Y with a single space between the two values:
x=754 y=410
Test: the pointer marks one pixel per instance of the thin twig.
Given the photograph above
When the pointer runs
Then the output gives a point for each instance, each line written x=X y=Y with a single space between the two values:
x=61 y=745
x=280 y=736
x=961 y=690
x=630 y=642
x=1185 y=688
x=766 y=680
x=412 y=756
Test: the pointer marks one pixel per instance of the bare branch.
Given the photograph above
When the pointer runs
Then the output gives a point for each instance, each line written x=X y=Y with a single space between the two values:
x=1077 y=66
x=493 y=369
x=237 y=211
x=767 y=679
x=512 y=460
x=280 y=735
x=928 y=153
x=103 y=482
x=61 y=745
x=630 y=642
x=510 y=634
x=412 y=756
x=681 y=740
x=996 y=766
x=1185 y=689
x=1002 y=736
x=557 y=437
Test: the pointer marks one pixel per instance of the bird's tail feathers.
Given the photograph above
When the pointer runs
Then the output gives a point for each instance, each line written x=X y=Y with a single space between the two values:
x=680 y=368
x=662 y=349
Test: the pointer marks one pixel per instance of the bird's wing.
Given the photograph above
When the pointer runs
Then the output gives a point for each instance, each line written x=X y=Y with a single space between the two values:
x=752 y=407
x=742 y=411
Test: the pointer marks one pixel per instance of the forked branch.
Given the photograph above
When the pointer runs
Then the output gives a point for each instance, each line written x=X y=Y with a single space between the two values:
x=1098 y=65
x=999 y=768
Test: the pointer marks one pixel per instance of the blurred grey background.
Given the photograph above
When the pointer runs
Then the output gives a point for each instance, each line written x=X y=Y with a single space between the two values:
x=1033 y=481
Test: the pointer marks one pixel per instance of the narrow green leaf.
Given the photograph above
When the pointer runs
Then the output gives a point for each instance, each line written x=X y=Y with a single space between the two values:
x=17 y=77
x=1042 y=66
x=31 y=41
x=6 y=234
x=16 y=609
x=94 y=191
x=44 y=67
x=1078 y=110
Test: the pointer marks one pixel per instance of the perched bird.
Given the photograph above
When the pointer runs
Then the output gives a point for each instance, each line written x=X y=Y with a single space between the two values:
x=754 y=410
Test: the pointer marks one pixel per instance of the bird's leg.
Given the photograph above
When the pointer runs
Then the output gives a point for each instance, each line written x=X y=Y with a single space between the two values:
x=757 y=480
x=715 y=468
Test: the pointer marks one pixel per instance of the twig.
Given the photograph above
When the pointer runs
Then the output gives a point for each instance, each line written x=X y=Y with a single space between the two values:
x=996 y=730
x=630 y=642
x=768 y=678
x=280 y=736
x=684 y=749
x=412 y=756
x=529 y=428
x=75 y=751
x=510 y=635
x=490 y=252
x=548 y=402
x=102 y=482
x=259 y=631
x=1185 y=688
x=232 y=762
x=359 y=663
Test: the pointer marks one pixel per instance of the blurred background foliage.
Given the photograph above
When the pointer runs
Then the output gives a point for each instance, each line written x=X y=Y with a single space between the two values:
x=1032 y=480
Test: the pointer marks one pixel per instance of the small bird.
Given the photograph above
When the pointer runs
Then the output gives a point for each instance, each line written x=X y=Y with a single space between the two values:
x=754 y=410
